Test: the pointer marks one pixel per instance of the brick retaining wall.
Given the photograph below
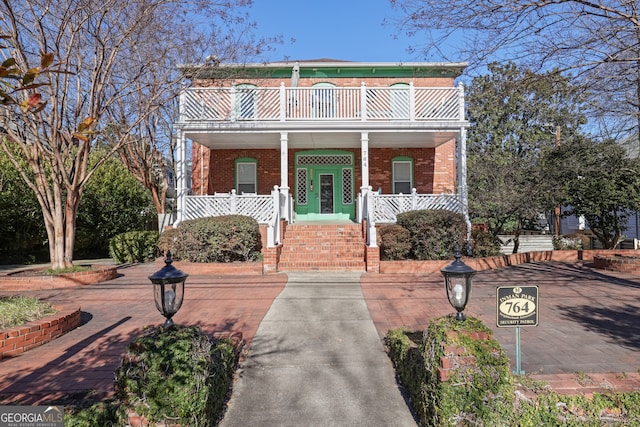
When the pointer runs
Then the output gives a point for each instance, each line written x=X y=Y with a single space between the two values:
x=618 y=262
x=17 y=340
x=492 y=263
x=240 y=268
x=13 y=282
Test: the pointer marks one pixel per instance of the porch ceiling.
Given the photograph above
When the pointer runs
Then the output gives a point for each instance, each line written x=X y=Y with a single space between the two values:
x=318 y=140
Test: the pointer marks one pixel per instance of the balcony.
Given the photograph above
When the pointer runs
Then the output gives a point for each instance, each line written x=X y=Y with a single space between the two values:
x=238 y=104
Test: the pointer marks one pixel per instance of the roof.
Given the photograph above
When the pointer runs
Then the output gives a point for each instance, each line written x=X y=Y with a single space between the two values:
x=326 y=67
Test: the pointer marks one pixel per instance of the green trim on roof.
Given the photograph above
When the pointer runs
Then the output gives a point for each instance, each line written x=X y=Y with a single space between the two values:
x=307 y=73
x=282 y=70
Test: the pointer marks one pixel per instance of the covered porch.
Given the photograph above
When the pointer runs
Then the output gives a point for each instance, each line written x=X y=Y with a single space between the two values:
x=344 y=163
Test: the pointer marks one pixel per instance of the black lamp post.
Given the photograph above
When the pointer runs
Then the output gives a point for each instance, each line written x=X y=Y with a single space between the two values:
x=168 y=290
x=457 y=282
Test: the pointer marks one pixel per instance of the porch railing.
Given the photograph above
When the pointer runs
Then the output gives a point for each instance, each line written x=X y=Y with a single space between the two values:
x=386 y=206
x=240 y=103
x=383 y=208
x=265 y=209
x=270 y=209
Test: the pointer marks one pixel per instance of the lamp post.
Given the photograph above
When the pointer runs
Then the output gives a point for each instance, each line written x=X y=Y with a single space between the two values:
x=457 y=283
x=168 y=290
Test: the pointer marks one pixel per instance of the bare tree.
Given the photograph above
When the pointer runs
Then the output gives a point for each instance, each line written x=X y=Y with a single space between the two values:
x=119 y=62
x=596 y=42
x=148 y=156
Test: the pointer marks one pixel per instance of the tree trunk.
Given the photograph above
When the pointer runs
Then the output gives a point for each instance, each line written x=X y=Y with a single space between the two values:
x=516 y=238
x=60 y=221
x=516 y=242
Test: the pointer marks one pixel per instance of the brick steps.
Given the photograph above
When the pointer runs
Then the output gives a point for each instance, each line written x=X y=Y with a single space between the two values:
x=327 y=247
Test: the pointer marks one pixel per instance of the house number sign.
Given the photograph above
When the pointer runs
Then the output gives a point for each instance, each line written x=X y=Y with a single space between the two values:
x=517 y=306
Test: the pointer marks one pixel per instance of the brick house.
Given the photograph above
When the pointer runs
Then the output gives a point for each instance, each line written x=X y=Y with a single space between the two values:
x=346 y=144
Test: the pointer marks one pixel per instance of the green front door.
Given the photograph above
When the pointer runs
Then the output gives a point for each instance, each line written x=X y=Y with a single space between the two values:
x=323 y=190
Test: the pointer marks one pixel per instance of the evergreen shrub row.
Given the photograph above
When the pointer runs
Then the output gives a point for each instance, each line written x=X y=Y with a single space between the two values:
x=433 y=235
x=134 y=246
x=423 y=235
x=225 y=238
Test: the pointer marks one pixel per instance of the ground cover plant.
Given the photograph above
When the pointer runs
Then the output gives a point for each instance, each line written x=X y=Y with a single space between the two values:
x=481 y=391
x=18 y=310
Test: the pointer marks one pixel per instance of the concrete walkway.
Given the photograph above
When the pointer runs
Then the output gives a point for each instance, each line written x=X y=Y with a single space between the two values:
x=317 y=360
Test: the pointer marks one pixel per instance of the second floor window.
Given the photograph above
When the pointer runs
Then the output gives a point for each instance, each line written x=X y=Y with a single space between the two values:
x=402 y=175
x=246 y=176
x=323 y=101
x=400 y=108
x=246 y=98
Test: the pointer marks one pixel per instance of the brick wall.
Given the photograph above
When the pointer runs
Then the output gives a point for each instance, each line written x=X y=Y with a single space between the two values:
x=444 y=170
x=618 y=262
x=36 y=282
x=502 y=261
x=434 y=168
x=456 y=357
x=221 y=164
x=17 y=340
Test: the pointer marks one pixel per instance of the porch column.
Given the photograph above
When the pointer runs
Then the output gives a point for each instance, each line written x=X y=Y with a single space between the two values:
x=364 y=186
x=462 y=180
x=364 y=149
x=284 y=175
x=181 y=177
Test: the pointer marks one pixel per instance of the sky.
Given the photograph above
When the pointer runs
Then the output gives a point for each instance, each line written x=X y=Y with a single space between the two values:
x=350 y=30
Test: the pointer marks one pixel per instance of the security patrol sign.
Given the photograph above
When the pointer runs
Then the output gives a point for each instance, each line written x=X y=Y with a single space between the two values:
x=517 y=306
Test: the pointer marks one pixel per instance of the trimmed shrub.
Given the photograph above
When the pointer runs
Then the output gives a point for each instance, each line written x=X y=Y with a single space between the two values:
x=570 y=242
x=483 y=392
x=225 y=238
x=166 y=241
x=407 y=356
x=176 y=376
x=434 y=233
x=134 y=246
x=474 y=393
x=395 y=242
x=105 y=413
x=478 y=393
x=484 y=244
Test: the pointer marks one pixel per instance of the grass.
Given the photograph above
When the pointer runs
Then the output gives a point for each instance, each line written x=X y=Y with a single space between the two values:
x=18 y=310
x=74 y=269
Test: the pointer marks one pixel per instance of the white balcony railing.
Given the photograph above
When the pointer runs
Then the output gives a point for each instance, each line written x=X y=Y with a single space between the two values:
x=282 y=103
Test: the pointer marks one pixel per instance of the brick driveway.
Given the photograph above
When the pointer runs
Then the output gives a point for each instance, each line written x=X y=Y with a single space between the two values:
x=589 y=323
x=114 y=313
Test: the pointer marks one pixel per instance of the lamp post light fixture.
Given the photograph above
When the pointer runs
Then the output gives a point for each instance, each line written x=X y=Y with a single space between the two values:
x=168 y=290
x=457 y=282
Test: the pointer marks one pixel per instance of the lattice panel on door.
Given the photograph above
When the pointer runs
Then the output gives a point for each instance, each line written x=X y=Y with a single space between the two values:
x=347 y=186
x=301 y=194
x=325 y=159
